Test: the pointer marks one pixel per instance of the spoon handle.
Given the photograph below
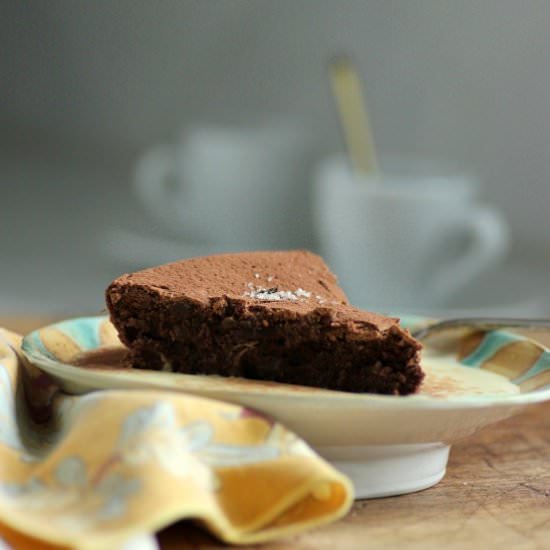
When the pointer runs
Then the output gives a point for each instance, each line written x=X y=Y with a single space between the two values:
x=484 y=323
x=354 y=119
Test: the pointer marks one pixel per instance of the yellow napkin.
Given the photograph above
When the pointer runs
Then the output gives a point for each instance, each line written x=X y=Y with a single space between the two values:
x=96 y=470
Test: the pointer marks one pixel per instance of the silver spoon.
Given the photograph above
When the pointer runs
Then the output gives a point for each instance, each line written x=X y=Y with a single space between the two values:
x=481 y=323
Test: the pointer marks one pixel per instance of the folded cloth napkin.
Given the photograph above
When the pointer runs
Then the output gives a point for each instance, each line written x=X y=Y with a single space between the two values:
x=99 y=469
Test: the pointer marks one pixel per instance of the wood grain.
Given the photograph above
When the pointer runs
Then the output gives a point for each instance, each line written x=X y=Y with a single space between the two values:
x=496 y=494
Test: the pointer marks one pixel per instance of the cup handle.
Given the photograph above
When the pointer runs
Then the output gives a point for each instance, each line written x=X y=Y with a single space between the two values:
x=490 y=243
x=154 y=183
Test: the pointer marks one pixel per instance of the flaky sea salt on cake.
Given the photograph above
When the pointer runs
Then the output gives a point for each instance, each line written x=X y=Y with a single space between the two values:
x=277 y=316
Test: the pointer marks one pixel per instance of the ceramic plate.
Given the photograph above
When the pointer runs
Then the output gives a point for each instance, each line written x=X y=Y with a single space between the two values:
x=386 y=444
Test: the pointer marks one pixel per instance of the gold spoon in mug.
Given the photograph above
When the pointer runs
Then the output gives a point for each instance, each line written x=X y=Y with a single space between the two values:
x=352 y=111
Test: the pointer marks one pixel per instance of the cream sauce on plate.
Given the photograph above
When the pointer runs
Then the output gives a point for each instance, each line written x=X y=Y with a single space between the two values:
x=445 y=378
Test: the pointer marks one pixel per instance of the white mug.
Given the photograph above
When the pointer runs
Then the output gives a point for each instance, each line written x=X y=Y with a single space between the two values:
x=408 y=241
x=233 y=187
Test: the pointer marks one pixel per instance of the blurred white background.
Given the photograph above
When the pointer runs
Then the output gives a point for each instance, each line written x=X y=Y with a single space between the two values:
x=87 y=86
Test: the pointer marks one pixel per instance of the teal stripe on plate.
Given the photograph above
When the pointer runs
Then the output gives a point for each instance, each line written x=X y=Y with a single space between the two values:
x=36 y=346
x=84 y=331
x=542 y=364
x=491 y=343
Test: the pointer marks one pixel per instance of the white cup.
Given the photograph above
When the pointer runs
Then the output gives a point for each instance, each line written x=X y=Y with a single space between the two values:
x=232 y=187
x=408 y=242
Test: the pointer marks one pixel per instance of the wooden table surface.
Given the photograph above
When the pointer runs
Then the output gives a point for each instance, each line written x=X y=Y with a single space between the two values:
x=496 y=493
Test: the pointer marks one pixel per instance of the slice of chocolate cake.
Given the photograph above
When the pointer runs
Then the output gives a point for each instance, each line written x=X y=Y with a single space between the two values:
x=276 y=316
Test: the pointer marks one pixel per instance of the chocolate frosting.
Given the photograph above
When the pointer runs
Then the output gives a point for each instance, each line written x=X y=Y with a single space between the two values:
x=295 y=281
